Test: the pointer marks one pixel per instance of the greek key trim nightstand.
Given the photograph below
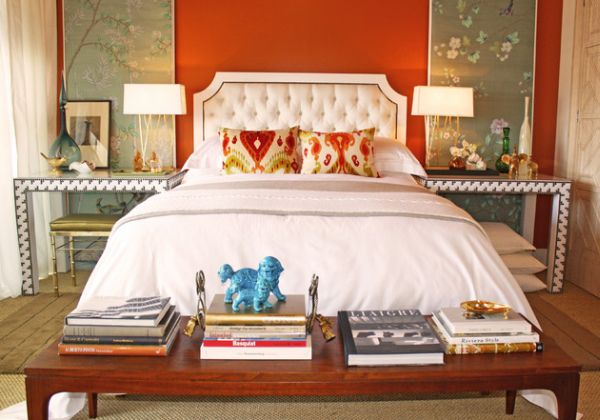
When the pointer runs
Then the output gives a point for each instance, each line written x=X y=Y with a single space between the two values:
x=559 y=188
x=99 y=180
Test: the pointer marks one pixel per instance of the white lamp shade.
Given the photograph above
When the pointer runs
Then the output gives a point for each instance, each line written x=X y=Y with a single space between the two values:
x=153 y=99
x=443 y=101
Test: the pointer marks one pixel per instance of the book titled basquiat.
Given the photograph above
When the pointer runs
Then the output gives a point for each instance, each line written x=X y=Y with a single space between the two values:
x=388 y=337
x=116 y=311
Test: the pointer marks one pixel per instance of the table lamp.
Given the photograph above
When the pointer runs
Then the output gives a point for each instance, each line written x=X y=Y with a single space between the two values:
x=434 y=102
x=152 y=103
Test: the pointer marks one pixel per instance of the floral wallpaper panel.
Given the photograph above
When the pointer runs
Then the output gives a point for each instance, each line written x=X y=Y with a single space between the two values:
x=112 y=42
x=488 y=45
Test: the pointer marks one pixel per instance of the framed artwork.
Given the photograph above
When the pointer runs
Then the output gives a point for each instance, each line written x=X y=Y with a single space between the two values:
x=88 y=123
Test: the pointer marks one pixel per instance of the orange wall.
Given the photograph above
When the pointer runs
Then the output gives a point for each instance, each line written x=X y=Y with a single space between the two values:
x=344 y=36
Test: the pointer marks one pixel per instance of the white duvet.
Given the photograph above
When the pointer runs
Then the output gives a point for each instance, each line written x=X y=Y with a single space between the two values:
x=374 y=243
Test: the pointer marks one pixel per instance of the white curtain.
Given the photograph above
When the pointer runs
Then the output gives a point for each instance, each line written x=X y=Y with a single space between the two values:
x=28 y=70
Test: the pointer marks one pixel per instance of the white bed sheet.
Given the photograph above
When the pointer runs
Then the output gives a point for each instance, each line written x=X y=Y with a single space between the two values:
x=362 y=262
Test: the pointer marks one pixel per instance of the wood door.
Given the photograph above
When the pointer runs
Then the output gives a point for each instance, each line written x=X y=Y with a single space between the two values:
x=583 y=264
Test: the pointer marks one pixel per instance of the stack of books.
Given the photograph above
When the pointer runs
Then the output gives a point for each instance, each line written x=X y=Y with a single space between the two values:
x=388 y=337
x=467 y=333
x=278 y=333
x=109 y=326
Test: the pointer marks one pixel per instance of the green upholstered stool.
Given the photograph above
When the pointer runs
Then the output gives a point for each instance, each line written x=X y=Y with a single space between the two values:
x=77 y=225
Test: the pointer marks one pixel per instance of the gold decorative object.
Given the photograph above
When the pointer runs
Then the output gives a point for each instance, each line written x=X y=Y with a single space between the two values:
x=324 y=323
x=200 y=317
x=485 y=307
x=513 y=166
x=532 y=172
x=55 y=163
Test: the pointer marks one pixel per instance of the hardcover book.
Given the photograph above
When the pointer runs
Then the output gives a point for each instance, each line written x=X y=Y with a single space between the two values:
x=290 y=312
x=482 y=347
x=258 y=353
x=137 y=311
x=255 y=331
x=253 y=342
x=481 y=338
x=460 y=322
x=120 y=349
x=119 y=339
x=388 y=337
x=121 y=331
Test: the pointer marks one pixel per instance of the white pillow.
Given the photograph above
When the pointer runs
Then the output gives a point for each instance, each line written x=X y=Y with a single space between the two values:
x=392 y=156
x=208 y=156
x=529 y=282
x=522 y=263
x=504 y=239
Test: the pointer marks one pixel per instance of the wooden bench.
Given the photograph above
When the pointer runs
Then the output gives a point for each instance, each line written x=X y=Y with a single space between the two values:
x=183 y=373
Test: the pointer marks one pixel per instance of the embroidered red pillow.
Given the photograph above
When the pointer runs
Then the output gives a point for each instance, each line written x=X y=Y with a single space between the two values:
x=338 y=153
x=264 y=151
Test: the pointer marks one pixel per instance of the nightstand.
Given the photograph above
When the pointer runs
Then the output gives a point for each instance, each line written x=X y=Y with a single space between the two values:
x=558 y=188
x=99 y=180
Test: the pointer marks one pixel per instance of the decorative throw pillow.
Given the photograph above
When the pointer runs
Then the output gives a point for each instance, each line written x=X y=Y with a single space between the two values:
x=529 y=282
x=522 y=263
x=504 y=239
x=264 y=151
x=338 y=153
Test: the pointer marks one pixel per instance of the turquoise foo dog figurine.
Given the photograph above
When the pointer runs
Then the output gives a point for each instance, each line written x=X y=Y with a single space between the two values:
x=253 y=287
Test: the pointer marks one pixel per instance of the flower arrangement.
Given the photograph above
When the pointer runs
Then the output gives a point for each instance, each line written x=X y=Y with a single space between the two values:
x=468 y=151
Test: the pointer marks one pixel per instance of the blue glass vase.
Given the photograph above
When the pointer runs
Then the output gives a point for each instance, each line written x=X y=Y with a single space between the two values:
x=64 y=145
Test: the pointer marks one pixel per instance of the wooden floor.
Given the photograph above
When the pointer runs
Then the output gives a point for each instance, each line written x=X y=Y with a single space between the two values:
x=29 y=323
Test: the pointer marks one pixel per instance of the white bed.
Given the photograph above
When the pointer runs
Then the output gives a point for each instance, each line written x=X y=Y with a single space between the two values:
x=375 y=243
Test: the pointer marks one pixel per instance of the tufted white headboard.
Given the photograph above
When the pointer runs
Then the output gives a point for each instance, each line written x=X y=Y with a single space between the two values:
x=314 y=101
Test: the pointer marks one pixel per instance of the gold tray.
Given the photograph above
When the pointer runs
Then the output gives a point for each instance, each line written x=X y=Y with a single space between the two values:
x=484 y=307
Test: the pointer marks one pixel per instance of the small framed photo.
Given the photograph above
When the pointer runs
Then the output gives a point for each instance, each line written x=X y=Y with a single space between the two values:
x=88 y=123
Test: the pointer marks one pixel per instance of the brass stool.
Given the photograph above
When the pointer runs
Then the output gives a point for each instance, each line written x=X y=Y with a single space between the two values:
x=77 y=225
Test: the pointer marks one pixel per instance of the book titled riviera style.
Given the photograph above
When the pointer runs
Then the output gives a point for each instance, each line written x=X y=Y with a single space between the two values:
x=458 y=321
x=388 y=337
x=482 y=338
x=114 y=311
x=509 y=343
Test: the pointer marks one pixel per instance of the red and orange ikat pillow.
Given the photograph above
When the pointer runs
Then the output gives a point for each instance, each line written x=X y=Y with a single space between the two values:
x=338 y=152
x=263 y=151
x=278 y=151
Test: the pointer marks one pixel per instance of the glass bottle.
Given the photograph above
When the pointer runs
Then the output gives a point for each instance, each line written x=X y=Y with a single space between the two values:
x=503 y=162
x=64 y=145
x=525 y=133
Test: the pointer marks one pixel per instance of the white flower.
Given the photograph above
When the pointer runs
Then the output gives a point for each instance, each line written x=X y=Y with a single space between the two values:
x=506 y=46
x=473 y=158
x=456 y=79
x=456 y=151
x=452 y=54
x=454 y=43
